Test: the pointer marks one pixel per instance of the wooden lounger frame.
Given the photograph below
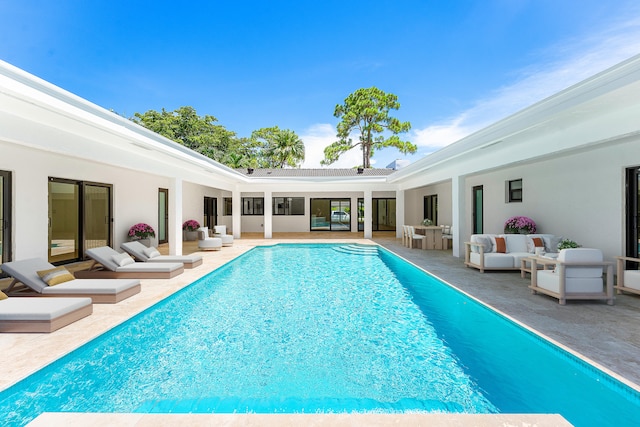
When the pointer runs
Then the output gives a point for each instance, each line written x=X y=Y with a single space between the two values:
x=20 y=326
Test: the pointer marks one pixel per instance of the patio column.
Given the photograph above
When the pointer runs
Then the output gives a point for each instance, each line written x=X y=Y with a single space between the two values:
x=368 y=219
x=458 y=210
x=399 y=213
x=175 y=217
x=268 y=215
x=236 y=212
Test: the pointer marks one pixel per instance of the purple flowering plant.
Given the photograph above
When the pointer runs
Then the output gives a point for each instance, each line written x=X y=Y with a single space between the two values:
x=191 y=225
x=141 y=231
x=519 y=224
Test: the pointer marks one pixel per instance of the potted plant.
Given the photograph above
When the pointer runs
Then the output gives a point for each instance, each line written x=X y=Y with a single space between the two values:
x=142 y=232
x=567 y=244
x=427 y=222
x=519 y=225
x=190 y=229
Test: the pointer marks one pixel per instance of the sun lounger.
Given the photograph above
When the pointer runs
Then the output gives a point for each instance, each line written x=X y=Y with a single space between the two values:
x=25 y=272
x=111 y=264
x=41 y=314
x=145 y=254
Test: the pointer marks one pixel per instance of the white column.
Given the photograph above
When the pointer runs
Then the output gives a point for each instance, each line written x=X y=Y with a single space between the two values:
x=268 y=214
x=175 y=217
x=368 y=219
x=458 y=209
x=399 y=212
x=236 y=212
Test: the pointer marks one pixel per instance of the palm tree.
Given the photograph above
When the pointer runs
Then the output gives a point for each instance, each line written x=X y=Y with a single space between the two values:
x=286 y=149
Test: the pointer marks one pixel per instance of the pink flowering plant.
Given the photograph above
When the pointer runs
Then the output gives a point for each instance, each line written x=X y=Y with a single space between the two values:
x=141 y=231
x=519 y=224
x=190 y=225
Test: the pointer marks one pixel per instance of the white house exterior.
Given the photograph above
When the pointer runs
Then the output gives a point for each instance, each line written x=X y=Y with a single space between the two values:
x=575 y=156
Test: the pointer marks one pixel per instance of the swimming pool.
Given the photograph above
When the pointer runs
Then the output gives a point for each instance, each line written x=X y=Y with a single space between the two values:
x=321 y=328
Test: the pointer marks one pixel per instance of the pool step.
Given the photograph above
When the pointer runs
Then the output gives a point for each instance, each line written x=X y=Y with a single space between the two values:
x=357 y=250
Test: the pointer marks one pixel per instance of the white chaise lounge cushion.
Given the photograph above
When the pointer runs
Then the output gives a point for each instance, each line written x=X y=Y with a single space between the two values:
x=146 y=254
x=104 y=255
x=43 y=309
x=26 y=272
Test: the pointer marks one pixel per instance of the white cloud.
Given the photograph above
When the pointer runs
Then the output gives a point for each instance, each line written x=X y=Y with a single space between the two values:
x=562 y=66
x=319 y=136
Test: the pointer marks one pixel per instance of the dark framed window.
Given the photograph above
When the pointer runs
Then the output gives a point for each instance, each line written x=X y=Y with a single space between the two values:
x=5 y=217
x=514 y=190
x=253 y=206
x=288 y=205
x=430 y=208
x=227 y=206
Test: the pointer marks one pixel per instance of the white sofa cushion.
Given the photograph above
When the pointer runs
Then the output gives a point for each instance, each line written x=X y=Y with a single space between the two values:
x=483 y=239
x=632 y=279
x=548 y=279
x=582 y=255
x=497 y=260
x=516 y=243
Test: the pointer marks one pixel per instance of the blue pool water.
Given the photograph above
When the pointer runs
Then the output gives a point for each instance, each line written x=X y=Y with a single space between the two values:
x=321 y=328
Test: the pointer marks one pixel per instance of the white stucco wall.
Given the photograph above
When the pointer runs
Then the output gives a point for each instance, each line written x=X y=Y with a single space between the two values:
x=581 y=196
x=414 y=203
x=135 y=195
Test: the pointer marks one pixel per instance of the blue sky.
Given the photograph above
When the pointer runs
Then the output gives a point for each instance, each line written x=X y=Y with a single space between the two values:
x=456 y=66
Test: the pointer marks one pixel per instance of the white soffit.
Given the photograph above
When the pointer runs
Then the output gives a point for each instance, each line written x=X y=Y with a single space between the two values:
x=598 y=110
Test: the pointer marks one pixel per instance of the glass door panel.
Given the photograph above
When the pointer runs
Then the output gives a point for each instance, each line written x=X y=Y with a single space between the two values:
x=210 y=212
x=477 y=210
x=97 y=216
x=360 y=214
x=163 y=215
x=341 y=215
x=64 y=221
x=320 y=214
x=5 y=217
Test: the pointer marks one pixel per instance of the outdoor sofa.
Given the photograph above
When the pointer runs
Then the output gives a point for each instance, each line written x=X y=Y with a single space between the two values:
x=25 y=273
x=484 y=252
x=145 y=254
x=111 y=264
x=41 y=314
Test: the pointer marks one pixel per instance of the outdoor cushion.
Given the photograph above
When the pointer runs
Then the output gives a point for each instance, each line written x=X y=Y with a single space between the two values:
x=632 y=279
x=497 y=260
x=151 y=252
x=516 y=242
x=55 y=276
x=122 y=259
x=43 y=309
x=482 y=239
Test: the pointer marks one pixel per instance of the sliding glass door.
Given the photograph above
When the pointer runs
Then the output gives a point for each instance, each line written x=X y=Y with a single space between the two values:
x=5 y=216
x=79 y=218
x=163 y=215
x=330 y=214
x=632 y=214
x=96 y=215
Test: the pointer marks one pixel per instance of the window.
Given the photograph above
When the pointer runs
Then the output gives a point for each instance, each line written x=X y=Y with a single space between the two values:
x=5 y=217
x=514 y=191
x=430 y=208
x=288 y=205
x=227 y=203
x=253 y=206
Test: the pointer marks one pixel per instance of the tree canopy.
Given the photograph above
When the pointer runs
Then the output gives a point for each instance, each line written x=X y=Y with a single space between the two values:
x=367 y=111
x=280 y=147
x=267 y=147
